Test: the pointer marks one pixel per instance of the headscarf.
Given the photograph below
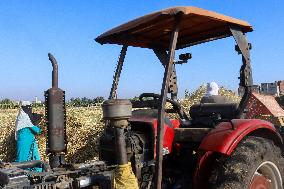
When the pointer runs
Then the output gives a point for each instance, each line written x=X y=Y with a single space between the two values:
x=212 y=89
x=23 y=120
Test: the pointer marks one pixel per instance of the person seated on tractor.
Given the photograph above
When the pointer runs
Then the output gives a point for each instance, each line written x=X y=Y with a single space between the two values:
x=25 y=131
x=212 y=94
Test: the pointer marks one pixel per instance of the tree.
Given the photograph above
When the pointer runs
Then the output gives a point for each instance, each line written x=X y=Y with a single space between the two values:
x=98 y=99
x=84 y=102
x=75 y=102
x=6 y=101
x=186 y=94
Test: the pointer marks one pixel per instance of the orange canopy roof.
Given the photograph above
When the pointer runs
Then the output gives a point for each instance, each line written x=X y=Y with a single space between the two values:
x=154 y=30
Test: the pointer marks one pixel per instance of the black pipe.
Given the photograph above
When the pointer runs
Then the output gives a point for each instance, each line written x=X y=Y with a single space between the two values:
x=54 y=71
x=32 y=164
x=120 y=146
x=27 y=164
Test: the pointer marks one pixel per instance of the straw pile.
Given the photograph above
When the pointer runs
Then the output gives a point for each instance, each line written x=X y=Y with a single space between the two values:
x=84 y=125
x=196 y=96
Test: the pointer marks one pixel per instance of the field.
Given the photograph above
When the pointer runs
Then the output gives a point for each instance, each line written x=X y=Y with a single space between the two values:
x=84 y=125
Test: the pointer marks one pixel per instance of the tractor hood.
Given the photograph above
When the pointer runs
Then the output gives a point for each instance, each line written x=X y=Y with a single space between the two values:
x=154 y=30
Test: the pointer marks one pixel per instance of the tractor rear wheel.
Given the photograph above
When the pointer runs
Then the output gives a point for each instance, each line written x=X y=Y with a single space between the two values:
x=256 y=163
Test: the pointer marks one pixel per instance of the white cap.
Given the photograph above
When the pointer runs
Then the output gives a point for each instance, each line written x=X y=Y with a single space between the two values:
x=212 y=89
x=25 y=103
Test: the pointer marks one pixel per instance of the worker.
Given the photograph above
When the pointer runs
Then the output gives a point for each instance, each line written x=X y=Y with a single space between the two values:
x=212 y=94
x=25 y=131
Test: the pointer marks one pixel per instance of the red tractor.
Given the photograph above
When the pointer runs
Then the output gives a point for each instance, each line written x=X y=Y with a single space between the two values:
x=212 y=145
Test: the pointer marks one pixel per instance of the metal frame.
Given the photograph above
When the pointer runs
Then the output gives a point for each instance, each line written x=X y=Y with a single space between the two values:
x=118 y=70
x=246 y=81
x=172 y=85
x=162 y=102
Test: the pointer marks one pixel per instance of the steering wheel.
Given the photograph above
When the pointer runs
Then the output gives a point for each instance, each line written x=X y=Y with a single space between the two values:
x=177 y=108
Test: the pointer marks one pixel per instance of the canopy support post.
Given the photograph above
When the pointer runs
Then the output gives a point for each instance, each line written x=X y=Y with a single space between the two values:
x=162 y=103
x=116 y=76
x=173 y=86
x=246 y=81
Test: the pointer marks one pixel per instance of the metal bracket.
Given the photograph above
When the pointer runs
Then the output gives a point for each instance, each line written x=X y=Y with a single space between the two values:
x=172 y=85
x=243 y=48
x=246 y=80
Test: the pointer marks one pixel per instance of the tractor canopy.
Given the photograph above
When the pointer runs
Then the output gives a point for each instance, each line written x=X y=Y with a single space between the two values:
x=165 y=32
x=154 y=30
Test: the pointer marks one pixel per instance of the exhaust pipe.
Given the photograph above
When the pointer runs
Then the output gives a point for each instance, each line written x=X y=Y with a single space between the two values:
x=56 y=146
x=54 y=71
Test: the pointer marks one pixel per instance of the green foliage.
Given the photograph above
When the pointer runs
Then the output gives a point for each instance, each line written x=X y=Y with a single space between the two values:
x=84 y=102
x=186 y=94
x=6 y=101
x=99 y=99
x=7 y=104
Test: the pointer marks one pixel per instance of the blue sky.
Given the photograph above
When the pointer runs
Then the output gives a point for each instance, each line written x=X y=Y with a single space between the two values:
x=31 y=29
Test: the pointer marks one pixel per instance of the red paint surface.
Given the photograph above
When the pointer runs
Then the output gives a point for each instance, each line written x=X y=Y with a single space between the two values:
x=224 y=139
x=176 y=123
x=169 y=131
x=203 y=170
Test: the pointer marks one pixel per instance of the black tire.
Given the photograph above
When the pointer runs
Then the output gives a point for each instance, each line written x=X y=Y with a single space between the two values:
x=254 y=159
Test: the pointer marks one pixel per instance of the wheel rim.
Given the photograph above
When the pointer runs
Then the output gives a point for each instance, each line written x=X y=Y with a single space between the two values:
x=266 y=176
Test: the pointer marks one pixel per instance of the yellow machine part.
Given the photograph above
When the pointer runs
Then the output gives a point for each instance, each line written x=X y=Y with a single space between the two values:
x=124 y=177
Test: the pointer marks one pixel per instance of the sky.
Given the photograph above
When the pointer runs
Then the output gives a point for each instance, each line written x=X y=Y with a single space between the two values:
x=31 y=29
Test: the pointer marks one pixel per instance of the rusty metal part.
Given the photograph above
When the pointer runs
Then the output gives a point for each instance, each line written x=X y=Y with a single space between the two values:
x=245 y=72
x=56 y=123
x=120 y=144
x=161 y=109
x=56 y=119
x=117 y=113
x=246 y=80
x=117 y=109
x=27 y=164
x=173 y=87
x=116 y=76
x=54 y=71
x=85 y=175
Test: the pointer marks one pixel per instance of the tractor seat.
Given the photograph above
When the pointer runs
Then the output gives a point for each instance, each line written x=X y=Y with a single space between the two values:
x=214 y=99
x=207 y=114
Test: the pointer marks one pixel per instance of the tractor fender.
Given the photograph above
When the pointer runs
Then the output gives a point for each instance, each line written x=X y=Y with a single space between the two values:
x=226 y=136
